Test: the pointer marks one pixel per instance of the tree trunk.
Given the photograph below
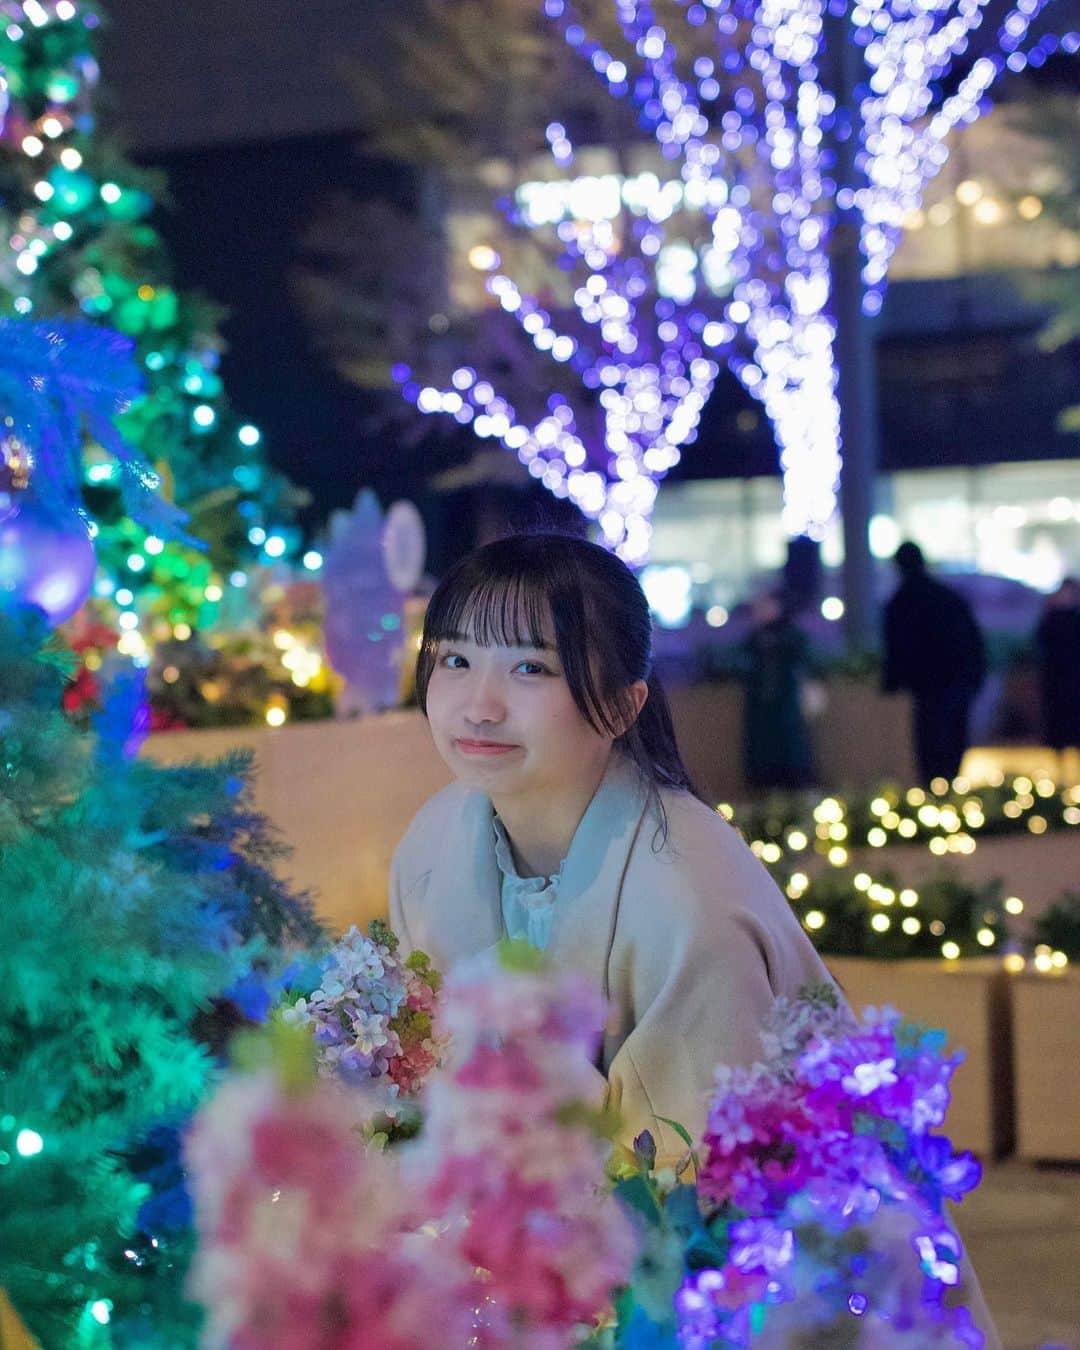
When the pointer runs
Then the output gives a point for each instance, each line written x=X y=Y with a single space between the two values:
x=854 y=353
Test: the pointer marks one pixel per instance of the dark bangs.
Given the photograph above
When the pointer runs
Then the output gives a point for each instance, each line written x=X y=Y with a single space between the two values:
x=519 y=592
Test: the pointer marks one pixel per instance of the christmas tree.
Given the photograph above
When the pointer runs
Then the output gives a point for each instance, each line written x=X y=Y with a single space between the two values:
x=140 y=921
x=76 y=239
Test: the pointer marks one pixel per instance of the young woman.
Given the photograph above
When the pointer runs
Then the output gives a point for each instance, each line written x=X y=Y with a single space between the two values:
x=573 y=824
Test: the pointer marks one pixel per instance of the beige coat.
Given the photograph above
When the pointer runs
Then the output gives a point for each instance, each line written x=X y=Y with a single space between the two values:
x=689 y=942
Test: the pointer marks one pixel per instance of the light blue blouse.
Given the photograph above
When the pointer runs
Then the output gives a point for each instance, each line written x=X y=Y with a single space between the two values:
x=528 y=903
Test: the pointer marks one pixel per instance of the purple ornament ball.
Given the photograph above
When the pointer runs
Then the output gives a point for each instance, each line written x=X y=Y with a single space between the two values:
x=46 y=559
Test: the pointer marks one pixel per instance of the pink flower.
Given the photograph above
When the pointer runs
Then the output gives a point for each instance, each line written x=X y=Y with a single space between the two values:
x=521 y=1188
x=302 y=1234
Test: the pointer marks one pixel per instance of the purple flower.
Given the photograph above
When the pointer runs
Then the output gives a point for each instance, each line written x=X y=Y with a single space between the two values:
x=759 y=1245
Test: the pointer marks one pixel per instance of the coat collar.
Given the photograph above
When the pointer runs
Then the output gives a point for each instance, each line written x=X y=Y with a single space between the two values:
x=463 y=900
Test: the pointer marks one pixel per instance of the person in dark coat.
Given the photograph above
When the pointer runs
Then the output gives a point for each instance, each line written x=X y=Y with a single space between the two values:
x=776 y=748
x=934 y=649
x=1057 y=643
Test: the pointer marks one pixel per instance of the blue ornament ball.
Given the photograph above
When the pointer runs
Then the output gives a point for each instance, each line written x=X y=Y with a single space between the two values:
x=46 y=558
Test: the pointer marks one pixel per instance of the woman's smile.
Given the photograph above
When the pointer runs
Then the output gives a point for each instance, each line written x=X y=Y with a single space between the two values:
x=468 y=746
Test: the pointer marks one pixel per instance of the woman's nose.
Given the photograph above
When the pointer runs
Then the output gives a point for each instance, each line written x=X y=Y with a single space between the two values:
x=485 y=702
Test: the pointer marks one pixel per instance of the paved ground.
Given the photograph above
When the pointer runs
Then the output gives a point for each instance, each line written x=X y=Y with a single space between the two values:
x=1022 y=1227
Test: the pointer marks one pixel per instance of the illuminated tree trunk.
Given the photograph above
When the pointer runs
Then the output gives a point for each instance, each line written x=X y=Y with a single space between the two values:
x=855 y=355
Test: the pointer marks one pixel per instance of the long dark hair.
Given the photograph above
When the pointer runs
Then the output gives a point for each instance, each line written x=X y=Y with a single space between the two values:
x=504 y=593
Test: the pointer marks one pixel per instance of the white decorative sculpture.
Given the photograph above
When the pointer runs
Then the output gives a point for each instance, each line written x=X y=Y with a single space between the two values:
x=370 y=566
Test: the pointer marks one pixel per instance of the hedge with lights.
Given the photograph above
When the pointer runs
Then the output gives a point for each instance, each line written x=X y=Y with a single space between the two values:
x=849 y=909
x=848 y=914
x=1058 y=930
x=946 y=818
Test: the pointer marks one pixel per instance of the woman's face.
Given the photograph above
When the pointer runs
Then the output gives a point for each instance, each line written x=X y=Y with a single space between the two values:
x=505 y=722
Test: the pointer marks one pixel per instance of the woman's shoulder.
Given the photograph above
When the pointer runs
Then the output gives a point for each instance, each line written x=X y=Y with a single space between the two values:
x=435 y=818
x=697 y=861
x=695 y=829
x=702 y=891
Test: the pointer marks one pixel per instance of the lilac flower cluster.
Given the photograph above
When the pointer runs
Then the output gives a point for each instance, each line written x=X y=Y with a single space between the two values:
x=821 y=1171
x=372 y=1014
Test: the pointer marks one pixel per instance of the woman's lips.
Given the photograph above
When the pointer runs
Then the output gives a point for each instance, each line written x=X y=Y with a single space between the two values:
x=468 y=747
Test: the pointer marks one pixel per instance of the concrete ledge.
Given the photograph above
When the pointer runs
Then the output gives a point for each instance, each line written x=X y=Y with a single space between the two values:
x=341 y=793
x=1046 y=1055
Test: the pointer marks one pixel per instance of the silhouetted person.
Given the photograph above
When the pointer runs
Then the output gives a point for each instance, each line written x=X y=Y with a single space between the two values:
x=1057 y=642
x=934 y=649
x=776 y=742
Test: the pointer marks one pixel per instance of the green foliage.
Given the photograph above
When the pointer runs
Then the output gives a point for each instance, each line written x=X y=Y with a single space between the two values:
x=676 y=1237
x=1017 y=806
x=861 y=903
x=517 y=955
x=1059 y=927
x=947 y=910
x=132 y=899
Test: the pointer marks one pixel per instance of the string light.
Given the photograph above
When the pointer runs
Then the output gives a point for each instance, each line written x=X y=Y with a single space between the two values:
x=943 y=823
x=28 y=1143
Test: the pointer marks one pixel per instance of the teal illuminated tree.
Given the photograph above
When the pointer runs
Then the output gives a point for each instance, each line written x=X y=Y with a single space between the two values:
x=76 y=239
x=140 y=920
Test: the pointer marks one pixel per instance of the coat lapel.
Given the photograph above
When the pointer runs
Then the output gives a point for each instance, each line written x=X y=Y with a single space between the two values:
x=583 y=926
x=462 y=905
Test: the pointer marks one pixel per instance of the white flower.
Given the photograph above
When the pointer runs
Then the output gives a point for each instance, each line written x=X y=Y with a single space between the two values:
x=867 y=1078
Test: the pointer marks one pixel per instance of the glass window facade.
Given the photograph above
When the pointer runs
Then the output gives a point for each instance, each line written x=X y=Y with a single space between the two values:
x=1018 y=520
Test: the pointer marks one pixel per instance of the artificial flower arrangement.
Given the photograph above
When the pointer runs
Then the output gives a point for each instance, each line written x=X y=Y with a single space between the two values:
x=493 y=1228
x=371 y=1014
x=816 y=1215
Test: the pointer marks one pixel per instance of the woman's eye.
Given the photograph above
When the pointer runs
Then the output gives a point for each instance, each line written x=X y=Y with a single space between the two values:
x=532 y=668
x=452 y=661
